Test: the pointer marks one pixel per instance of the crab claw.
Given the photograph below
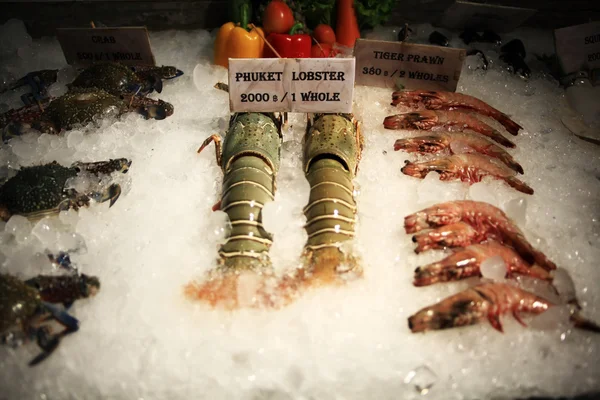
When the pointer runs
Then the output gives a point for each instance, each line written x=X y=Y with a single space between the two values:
x=114 y=191
x=158 y=111
x=111 y=193
x=48 y=342
x=156 y=83
x=13 y=130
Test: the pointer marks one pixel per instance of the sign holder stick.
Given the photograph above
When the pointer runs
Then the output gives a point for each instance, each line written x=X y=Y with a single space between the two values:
x=265 y=40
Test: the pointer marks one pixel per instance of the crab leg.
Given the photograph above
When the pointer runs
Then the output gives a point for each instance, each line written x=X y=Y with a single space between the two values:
x=49 y=342
x=105 y=167
x=150 y=108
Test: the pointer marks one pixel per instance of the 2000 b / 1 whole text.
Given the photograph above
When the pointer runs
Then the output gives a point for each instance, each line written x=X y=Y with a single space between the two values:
x=304 y=96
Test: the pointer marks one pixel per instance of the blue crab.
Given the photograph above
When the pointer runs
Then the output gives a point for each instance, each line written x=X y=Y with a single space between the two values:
x=119 y=79
x=26 y=307
x=39 y=191
x=38 y=81
x=76 y=108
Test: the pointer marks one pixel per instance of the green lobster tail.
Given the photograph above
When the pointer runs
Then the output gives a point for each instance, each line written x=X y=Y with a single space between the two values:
x=253 y=134
x=250 y=161
x=332 y=148
x=333 y=136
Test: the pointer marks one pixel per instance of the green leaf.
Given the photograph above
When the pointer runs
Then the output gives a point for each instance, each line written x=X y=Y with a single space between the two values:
x=371 y=13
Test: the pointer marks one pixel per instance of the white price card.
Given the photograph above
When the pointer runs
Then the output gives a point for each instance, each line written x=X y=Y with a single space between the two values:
x=127 y=45
x=578 y=47
x=291 y=84
x=407 y=65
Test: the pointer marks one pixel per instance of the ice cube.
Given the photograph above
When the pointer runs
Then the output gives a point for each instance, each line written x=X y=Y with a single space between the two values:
x=481 y=191
x=24 y=148
x=422 y=378
x=81 y=183
x=220 y=225
x=553 y=318
x=428 y=189
x=69 y=241
x=57 y=90
x=274 y=217
x=516 y=209
x=66 y=75
x=493 y=268
x=201 y=78
x=564 y=285
x=13 y=36
x=47 y=231
x=20 y=227
x=74 y=138
x=69 y=217
x=474 y=62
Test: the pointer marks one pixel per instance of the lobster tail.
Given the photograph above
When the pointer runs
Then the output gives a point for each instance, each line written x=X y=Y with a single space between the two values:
x=250 y=167
x=331 y=158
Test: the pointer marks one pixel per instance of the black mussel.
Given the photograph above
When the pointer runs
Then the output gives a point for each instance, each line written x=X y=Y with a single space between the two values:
x=438 y=39
x=490 y=37
x=484 y=60
x=516 y=64
x=515 y=46
x=469 y=35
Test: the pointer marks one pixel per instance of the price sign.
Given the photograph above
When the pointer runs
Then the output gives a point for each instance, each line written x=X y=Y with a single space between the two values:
x=578 y=47
x=127 y=45
x=411 y=66
x=291 y=84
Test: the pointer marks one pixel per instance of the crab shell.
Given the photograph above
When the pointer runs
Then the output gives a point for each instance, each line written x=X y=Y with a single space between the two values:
x=40 y=190
x=114 y=78
x=18 y=303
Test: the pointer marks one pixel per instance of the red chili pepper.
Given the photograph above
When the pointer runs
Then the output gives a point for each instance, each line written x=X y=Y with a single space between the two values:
x=290 y=45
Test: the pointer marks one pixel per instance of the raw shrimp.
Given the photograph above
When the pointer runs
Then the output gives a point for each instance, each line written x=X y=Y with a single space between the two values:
x=447 y=120
x=486 y=301
x=468 y=168
x=474 y=222
x=465 y=142
x=449 y=101
x=466 y=262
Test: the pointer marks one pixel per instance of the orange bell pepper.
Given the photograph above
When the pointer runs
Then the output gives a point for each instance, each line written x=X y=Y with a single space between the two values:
x=236 y=42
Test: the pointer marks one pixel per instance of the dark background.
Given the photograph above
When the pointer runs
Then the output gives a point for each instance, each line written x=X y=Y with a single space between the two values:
x=43 y=17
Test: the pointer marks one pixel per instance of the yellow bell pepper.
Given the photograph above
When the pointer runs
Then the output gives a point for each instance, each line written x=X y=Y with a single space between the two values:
x=236 y=42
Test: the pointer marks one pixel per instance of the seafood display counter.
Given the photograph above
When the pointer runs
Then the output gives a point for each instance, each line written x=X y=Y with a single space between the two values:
x=315 y=256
